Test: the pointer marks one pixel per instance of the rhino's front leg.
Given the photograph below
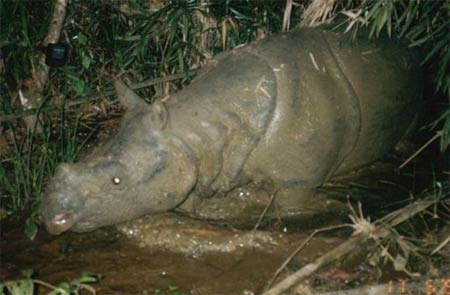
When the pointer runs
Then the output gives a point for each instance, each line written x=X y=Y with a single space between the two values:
x=240 y=206
x=307 y=207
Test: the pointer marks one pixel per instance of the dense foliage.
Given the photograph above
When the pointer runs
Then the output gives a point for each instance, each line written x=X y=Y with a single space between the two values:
x=425 y=24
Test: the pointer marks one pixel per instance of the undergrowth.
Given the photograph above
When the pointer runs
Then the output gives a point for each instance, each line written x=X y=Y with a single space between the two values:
x=30 y=285
x=31 y=160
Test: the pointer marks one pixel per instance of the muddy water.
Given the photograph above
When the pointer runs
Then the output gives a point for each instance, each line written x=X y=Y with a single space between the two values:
x=194 y=257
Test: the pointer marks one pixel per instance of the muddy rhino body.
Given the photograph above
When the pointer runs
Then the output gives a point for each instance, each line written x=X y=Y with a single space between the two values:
x=293 y=110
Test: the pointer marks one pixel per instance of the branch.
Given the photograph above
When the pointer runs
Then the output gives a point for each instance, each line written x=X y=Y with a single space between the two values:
x=391 y=220
x=435 y=286
x=436 y=136
x=318 y=12
x=287 y=16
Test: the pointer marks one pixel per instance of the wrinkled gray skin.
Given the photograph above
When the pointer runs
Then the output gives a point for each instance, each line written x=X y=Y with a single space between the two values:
x=291 y=110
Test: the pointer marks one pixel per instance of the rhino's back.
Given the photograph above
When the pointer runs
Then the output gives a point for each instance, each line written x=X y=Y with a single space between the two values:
x=316 y=119
x=387 y=80
x=340 y=105
x=295 y=108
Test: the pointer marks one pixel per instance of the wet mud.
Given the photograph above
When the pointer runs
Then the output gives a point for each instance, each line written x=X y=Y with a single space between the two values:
x=138 y=258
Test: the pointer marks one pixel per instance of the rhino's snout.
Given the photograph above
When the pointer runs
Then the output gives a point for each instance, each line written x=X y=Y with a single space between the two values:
x=60 y=212
x=62 y=204
x=60 y=222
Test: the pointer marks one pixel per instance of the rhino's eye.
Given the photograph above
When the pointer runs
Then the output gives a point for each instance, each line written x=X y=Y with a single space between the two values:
x=116 y=180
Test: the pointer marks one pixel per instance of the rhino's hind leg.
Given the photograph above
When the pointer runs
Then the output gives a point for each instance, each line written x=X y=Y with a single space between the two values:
x=243 y=207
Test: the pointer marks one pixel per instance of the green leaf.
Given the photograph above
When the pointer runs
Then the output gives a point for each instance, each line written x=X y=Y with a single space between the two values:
x=410 y=14
x=80 y=87
x=82 y=39
x=59 y=292
x=445 y=138
x=86 y=61
x=87 y=277
x=62 y=289
x=420 y=41
x=31 y=228
x=20 y=287
x=381 y=20
x=438 y=47
x=374 y=10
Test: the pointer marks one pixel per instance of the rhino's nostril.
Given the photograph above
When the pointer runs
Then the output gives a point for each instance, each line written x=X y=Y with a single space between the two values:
x=61 y=219
x=61 y=222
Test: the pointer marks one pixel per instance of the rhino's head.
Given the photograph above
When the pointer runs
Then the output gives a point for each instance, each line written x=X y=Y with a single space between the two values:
x=143 y=169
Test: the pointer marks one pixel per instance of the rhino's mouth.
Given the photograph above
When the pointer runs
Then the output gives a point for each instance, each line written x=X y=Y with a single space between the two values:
x=83 y=227
x=61 y=222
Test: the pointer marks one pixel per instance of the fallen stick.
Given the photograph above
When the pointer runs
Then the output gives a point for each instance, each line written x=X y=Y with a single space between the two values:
x=299 y=248
x=263 y=214
x=430 y=141
x=358 y=240
x=425 y=286
x=441 y=245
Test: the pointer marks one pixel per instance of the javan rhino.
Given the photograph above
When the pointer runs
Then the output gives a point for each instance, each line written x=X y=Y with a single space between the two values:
x=292 y=110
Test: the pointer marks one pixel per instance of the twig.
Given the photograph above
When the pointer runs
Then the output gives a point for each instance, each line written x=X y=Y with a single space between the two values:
x=287 y=16
x=441 y=245
x=299 y=248
x=349 y=246
x=436 y=136
x=343 y=249
x=272 y=197
x=399 y=287
x=50 y=108
x=317 y=12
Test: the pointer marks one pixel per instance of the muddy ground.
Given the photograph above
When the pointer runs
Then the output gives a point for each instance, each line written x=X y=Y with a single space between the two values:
x=213 y=260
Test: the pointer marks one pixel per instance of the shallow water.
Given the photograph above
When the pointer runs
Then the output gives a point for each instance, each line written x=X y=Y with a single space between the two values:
x=132 y=265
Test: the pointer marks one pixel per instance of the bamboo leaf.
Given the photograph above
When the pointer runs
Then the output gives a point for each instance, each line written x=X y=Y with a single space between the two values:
x=375 y=9
x=438 y=47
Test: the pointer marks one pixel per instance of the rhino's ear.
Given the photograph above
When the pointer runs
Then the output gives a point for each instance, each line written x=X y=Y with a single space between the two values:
x=158 y=115
x=127 y=97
